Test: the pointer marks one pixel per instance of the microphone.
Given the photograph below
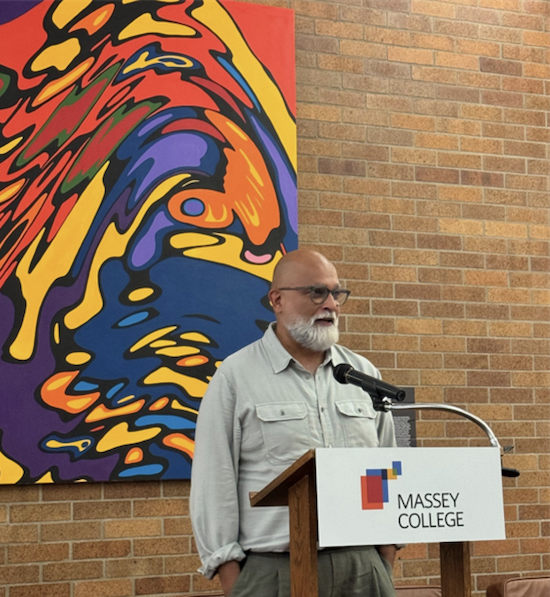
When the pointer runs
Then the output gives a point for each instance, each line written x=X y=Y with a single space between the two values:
x=345 y=373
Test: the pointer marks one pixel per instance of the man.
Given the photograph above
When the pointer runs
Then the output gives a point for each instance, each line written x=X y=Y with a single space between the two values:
x=268 y=404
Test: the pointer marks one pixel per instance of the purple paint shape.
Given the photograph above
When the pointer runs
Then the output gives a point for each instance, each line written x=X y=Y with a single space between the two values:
x=147 y=246
x=173 y=153
x=10 y=11
x=285 y=180
x=153 y=123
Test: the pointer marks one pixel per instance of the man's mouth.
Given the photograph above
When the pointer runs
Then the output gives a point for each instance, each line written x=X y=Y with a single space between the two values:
x=324 y=321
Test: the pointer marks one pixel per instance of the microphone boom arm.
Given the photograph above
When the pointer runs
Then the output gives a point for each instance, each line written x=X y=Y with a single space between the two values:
x=388 y=405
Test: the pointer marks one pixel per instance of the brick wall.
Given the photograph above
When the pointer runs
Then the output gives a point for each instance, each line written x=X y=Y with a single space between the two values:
x=423 y=172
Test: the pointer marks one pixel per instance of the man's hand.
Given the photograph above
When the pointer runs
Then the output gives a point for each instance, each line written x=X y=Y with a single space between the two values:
x=229 y=572
x=387 y=552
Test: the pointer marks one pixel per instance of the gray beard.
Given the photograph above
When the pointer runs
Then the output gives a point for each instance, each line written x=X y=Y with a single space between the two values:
x=317 y=338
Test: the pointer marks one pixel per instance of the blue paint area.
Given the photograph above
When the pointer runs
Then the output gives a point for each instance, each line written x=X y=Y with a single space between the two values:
x=193 y=207
x=85 y=386
x=238 y=77
x=133 y=319
x=139 y=471
x=176 y=463
x=87 y=442
x=159 y=62
x=171 y=421
x=114 y=390
x=196 y=296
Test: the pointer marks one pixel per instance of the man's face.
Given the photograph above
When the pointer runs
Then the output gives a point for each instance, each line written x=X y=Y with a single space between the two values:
x=312 y=325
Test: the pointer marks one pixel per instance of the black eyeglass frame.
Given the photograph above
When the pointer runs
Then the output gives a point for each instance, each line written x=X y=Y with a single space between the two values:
x=340 y=295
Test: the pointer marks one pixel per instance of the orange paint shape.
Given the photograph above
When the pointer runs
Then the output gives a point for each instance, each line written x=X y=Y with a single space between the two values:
x=193 y=361
x=94 y=21
x=63 y=83
x=159 y=404
x=101 y=412
x=248 y=191
x=180 y=442
x=133 y=456
x=54 y=393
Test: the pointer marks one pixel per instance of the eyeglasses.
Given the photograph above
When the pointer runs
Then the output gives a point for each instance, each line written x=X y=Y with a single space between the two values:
x=319 y=294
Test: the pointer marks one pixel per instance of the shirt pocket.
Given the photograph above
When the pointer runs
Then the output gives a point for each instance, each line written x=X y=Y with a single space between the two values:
x=285 y=430
x=358 y=420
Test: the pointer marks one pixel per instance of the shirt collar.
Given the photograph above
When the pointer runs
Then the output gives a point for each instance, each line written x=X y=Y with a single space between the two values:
x=280 y=358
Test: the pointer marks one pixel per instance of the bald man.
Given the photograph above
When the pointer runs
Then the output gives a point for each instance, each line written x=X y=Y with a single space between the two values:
x=265 y=407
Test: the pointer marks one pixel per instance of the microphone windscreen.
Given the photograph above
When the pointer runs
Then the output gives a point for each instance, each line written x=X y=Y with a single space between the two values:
x=340 y=372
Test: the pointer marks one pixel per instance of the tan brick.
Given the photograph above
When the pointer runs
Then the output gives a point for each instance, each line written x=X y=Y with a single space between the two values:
x=182 y=564
x=391 y=171
x=460 y=193
x=436 y=141
x=414 y=190
x=159 y=546
x=32 y=553
x=40 y=512
x=536 y=38
x=19 y=533
x=508 y=295
x=131 y=567
x=418 y=326
x=530 y=379
x=177 y=526
x=407 y=257
x=458 y=126
x=87 y=550
x=511 y=329
x=162 y=584
x=461 y=226
x=132 y=528
x=395 y=343
x=72 y=571
x=26 y=573
x=104 y=588
x=413 y=156
x=410 y=55
x=452 y=60
x=397 y=274
x=496 y=548
x=102 y=510
x=478 y=145
x=410 y=121
x=131 y=489
x=42 y=590
x=176 y=488
x=458 y=160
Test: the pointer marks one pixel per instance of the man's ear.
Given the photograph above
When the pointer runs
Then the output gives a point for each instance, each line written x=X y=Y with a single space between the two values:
x=274 y=297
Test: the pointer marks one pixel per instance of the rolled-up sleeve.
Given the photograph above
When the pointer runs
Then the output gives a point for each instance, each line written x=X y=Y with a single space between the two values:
x=214 y=493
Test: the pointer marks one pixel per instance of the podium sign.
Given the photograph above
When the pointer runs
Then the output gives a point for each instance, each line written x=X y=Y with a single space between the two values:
x=372 y=496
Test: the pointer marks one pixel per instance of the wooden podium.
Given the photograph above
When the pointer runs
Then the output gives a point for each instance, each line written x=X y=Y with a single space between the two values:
x=296 y=488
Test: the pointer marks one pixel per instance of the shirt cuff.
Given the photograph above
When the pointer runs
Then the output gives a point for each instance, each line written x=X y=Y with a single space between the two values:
x=227 y=553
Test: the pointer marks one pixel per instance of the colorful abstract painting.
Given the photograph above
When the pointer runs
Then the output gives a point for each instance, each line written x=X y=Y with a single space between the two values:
x=147 y=190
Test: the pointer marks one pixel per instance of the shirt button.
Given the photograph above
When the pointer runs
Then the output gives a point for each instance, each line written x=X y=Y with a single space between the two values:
x=308 y=377
x=283 y=413
x=322 y=409
x=329 y=445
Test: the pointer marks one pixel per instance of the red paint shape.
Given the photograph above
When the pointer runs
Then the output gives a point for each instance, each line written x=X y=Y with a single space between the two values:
x=273 y=45
x=194 y=125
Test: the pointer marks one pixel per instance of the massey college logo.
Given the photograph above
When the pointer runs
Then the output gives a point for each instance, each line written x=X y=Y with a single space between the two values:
x=374 y=486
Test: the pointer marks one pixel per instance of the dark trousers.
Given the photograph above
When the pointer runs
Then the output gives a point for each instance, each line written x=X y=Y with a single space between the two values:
x=343 y=572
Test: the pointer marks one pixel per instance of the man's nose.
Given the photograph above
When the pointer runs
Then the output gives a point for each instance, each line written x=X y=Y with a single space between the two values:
x=330 y=302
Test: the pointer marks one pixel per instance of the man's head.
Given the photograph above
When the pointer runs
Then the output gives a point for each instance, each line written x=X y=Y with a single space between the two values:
x=306 y=299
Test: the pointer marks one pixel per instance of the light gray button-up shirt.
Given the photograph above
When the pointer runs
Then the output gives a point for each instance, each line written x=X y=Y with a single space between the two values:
x=261 y=412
